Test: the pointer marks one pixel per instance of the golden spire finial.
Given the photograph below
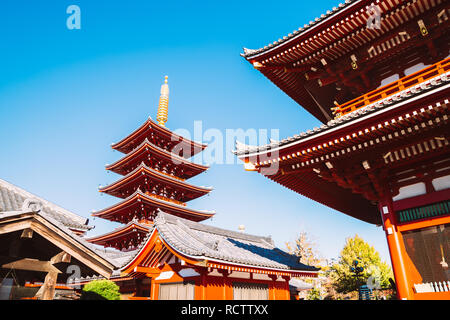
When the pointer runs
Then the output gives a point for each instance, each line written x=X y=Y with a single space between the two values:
x=163 y=108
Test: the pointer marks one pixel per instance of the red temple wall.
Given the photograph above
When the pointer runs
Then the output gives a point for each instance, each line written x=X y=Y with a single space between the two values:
x=218 y=287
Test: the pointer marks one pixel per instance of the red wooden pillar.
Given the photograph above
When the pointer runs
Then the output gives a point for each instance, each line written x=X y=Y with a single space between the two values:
x=203 y=282
x=286 y=288
x=273 y=287
x=396 y=250
x=226 y=285
x=153 y=288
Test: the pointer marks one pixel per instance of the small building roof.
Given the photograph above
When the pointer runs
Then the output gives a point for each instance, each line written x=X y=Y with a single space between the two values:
x=96 y=259
x=13 y=198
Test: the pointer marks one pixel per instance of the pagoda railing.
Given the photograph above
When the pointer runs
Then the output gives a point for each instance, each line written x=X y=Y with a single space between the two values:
x=161 y=172
x=170 y=175
x=156 y=196
x=393 y=88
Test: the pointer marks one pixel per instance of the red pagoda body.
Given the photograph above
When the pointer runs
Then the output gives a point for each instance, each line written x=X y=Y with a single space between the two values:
x=377 y=74
x=153 y=178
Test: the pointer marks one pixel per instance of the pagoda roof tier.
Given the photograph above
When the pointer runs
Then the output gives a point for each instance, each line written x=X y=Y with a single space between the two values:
x=149 y=153
x=341 y=54
x=372 y=141
x=143 y=206
x=160 y=136
x=150 y=180
x=126 y=237
x=202 y=245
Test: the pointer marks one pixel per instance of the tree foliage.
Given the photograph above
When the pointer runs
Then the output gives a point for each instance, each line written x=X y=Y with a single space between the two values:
x=314 y=294
x=306 y=249
x=100 y=290
x=376 y=273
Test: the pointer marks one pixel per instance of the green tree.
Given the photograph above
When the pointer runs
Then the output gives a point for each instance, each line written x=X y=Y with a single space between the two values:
x=376 y=273
x=100 y=290
x=313 y=294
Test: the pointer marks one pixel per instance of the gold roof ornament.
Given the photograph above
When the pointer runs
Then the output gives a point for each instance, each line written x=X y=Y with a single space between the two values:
x=163 y=107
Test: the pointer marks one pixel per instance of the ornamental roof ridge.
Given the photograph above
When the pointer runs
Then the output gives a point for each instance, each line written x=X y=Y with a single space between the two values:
x=422 y=88
x=306 y=27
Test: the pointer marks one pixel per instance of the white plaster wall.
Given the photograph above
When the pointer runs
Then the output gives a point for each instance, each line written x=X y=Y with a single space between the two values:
x=441 y=183
x=412 y=190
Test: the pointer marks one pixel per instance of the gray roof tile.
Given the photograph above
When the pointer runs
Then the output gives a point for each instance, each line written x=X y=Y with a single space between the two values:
x=306 y=27
x=204 y=241
x=108 y=255
x=13 y=198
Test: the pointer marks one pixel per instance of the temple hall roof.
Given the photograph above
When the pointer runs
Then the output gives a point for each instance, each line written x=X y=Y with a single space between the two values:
x=441 y=80
x=248 y=53
x=201 y=241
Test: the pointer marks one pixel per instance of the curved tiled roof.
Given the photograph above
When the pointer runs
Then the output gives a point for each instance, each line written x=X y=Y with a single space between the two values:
x=149 y=123
x=440 y=80
x=120 y=229
x=103 y=253
x=144 y=196
x=253 y=52
x=173 y=156
x=13 y=198
x=173 y=180
x=202 y=241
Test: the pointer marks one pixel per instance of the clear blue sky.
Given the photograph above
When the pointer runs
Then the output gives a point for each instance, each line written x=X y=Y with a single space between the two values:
x=66 y=95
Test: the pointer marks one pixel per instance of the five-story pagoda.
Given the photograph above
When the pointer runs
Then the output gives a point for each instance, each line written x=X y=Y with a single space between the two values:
x=154 y=172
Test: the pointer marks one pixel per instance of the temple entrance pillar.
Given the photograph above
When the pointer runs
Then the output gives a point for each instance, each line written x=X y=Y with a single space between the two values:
x=396 y=250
